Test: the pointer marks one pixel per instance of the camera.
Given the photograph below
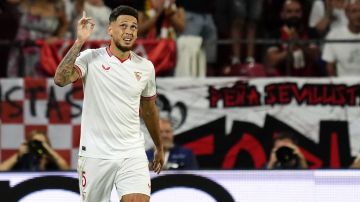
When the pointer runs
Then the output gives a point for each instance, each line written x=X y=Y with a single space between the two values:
x=286 y=157
x=36 y=148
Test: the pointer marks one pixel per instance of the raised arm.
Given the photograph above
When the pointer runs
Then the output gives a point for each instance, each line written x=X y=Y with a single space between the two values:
x=177 y=19
x=57 y=158
x=66 y=72
x=150 y=116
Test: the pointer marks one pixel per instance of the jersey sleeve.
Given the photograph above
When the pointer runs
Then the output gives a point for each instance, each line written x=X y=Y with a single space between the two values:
x=82 y=62
x=149 y=91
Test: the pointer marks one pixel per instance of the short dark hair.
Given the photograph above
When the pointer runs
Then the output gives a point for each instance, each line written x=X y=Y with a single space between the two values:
x=285 y=135
x=123 y=10
x=292 y=1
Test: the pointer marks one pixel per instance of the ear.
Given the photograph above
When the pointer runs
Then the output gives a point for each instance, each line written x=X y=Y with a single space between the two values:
x=109 y=30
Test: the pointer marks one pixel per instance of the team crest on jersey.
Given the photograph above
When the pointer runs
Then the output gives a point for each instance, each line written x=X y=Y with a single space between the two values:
x=138 y=75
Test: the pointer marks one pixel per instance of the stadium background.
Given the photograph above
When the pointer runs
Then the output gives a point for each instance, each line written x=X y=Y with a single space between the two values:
x=227 y=120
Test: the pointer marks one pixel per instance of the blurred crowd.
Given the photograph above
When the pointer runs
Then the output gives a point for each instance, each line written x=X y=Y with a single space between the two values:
x=224 y=34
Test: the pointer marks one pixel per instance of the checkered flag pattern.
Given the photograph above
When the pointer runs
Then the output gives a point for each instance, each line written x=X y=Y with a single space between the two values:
x=28 y=104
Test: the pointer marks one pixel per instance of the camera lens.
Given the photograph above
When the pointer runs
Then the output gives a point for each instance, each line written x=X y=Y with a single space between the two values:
x=285 y=154
x=36 y=148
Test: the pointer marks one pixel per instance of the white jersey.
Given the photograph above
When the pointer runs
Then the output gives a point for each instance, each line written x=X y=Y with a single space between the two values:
x=346 y=55
x=110 y=123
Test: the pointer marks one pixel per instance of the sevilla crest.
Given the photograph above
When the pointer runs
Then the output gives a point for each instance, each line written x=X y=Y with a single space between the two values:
x=138 y=75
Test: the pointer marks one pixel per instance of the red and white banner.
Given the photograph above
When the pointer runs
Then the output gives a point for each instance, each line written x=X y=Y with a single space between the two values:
x=28 y=104
x=161 y=52
x=227 y=122
x=230 y=122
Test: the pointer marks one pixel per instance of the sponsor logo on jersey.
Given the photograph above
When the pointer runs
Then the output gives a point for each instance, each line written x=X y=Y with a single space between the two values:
x=105 y=68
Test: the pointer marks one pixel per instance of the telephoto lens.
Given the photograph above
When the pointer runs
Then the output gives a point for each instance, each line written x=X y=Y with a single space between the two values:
x=36 y=148
x=286 y=157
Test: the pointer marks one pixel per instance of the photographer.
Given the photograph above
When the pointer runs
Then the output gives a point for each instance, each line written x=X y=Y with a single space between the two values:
x=356 y=163
x=285 y=153
x=35 y=155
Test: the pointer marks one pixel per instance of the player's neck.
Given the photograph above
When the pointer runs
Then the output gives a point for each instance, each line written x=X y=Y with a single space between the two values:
x=123 y=55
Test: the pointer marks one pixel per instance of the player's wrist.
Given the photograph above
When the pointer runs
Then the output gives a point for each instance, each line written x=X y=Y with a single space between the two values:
x=80 y=41
x=159 y=147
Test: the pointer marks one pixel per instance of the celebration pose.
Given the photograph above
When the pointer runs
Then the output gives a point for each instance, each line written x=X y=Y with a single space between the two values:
x=118 y=85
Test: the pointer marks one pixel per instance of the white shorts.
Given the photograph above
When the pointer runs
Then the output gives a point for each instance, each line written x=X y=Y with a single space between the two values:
x=97 y=177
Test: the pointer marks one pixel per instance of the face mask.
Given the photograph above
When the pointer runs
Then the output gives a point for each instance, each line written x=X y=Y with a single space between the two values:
x=293 y=22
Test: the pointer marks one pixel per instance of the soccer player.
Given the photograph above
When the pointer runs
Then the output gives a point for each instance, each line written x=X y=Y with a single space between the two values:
x=118 y=85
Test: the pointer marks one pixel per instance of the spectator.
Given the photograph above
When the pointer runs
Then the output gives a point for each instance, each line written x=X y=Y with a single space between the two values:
x=176 y=157
x=200 y=22
x=292 y=59
x=36 y=154
x=326 y=15
x=356 y=163
x=160 y=18
x=245 y=15
x=40 y=19
x=8 y=19
x=270 y=18
x=285 y=153
x=343 y=59
x=69 y=6
x=99 y=12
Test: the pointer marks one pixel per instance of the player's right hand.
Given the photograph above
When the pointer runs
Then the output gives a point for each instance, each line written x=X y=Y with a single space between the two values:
x=157 y=164
x=85 y=27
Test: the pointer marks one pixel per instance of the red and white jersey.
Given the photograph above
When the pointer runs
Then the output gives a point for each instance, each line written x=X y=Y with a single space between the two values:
x=110 y=122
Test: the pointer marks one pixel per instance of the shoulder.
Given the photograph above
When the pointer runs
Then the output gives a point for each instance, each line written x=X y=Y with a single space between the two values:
x=93 y=52
x=141 y=60
x=338 y=33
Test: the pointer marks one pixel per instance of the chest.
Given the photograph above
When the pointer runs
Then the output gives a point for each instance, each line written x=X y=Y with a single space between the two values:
x=347 y=52
x=118 y=79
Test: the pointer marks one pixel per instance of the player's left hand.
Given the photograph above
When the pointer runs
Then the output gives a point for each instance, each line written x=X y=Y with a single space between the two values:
x=157 y=164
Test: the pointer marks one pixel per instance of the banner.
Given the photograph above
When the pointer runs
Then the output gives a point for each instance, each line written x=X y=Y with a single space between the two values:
x=161 y=52
x=198 y=186
x=229 y=123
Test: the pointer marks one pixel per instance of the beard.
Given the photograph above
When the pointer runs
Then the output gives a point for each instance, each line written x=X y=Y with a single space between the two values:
x=122 y=48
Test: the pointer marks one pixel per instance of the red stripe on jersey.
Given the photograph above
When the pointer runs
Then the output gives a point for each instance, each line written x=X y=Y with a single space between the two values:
x=78 y=70
x=148 y=98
